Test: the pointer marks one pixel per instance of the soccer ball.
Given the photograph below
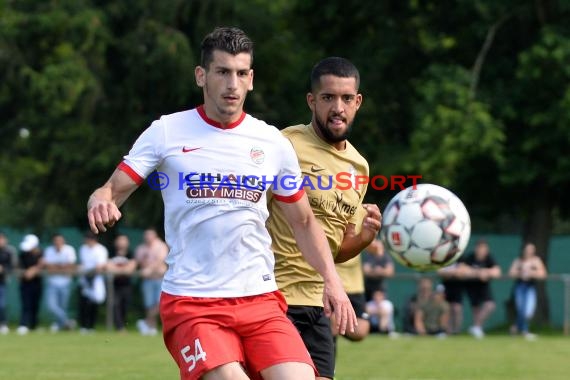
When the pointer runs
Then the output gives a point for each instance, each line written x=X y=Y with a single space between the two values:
x=426 y=227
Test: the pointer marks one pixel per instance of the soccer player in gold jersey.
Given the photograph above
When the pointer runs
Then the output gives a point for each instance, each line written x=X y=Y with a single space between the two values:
x=330 y=166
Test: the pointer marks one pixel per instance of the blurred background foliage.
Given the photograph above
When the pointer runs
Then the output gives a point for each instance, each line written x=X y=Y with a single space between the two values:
x=473 y=95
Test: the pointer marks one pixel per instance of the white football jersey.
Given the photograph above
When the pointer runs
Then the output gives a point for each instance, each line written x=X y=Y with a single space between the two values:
x=214 y=182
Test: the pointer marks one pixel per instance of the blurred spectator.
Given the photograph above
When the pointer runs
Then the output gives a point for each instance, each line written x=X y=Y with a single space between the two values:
x=453 y=280
x=424 y=291
x=381 y=313
x=92 y=258
x=481 y=269
x=5 y=268
x=432 y=314
x=5 y=245
x=30 y=282
x=59 y=262
x=377 y=265
x=526 y=270
x=150 y=256
x=122 y=266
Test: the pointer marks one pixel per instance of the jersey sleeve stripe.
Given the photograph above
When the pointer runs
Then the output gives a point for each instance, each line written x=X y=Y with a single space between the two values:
x=290 y=198
x=131 y=173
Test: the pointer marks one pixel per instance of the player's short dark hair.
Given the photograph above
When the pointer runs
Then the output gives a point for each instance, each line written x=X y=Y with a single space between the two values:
x=337 y=66
x=227 y=39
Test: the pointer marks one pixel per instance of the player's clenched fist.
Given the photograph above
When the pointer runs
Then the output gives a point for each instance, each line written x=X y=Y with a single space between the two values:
x=103 y=205
x=102 y=214
x=372 y=221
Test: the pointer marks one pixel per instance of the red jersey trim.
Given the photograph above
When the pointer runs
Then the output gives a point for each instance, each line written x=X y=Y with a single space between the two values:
x=290 y=198
x=131 y=173
x=217 y=124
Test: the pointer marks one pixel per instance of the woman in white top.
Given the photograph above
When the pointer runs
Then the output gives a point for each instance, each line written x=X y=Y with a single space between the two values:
x=526 y=269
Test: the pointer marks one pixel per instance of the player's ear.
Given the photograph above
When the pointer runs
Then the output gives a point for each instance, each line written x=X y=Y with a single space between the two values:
x=311 y=100
x=359 y=100
x=250 y=87
x=200 y=75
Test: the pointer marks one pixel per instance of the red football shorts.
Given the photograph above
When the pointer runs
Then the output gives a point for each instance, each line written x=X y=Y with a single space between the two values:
x=204 y=333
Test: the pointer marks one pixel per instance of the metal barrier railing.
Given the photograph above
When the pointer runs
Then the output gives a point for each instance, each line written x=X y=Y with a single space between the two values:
x=562 y=278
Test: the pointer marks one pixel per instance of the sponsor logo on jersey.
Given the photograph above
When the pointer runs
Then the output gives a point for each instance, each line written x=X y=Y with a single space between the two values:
x=257 y=155
x=225 y=192
x=338 y=204
x=218 y=185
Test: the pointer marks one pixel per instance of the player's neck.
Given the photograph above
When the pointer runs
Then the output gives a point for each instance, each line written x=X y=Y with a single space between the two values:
x=221 y=120
x=338 y=145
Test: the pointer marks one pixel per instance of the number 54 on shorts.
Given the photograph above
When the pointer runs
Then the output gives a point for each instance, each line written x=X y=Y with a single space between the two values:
x=191 y=359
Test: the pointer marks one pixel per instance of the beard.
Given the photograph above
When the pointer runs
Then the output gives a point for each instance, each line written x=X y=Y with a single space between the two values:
x=330 y=136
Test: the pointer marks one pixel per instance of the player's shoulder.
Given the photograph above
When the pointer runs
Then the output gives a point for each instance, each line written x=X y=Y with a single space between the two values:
x=261 y=125
x=263 y=130
x=355 y=155
x=177 y=117
x=295 y=131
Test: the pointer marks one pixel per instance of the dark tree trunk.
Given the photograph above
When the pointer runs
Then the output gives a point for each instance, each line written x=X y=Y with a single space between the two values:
x=538 y=228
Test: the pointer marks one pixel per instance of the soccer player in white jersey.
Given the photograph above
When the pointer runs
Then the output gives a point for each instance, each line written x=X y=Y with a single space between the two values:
x=223 y=316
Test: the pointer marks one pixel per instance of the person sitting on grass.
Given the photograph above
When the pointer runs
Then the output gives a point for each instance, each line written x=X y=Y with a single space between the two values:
x=431 y=316
x=381 y=313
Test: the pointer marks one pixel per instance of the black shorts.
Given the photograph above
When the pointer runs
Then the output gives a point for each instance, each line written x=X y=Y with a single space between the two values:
x=315 y=330
x=358 y=302
x=478 y=294
x=453 y=291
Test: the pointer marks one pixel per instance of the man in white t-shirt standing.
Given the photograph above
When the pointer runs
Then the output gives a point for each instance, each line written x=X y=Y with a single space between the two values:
x=150 y=257
x=93 y=258
x=60 y=264
x=223 y=316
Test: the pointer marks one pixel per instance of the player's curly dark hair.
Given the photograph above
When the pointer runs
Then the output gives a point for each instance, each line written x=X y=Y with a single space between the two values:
x=228 y=39
x=337 y=66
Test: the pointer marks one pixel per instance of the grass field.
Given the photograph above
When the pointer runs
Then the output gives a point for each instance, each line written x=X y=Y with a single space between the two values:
x=131 y=357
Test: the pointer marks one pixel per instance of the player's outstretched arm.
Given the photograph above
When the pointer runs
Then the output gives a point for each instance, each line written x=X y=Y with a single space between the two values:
x=314 y=246
x=103 y=205
x=354 y=243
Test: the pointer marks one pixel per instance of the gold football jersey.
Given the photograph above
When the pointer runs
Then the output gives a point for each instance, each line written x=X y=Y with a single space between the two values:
x=350 y=273
x=329 y=181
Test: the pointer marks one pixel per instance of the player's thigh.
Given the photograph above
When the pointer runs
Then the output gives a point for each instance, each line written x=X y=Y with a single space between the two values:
x=198 y=348
x=315 y=329
x=197 y=335
x=358 y=302
x=289 y=371
x=229 y=371
x=273 y=340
